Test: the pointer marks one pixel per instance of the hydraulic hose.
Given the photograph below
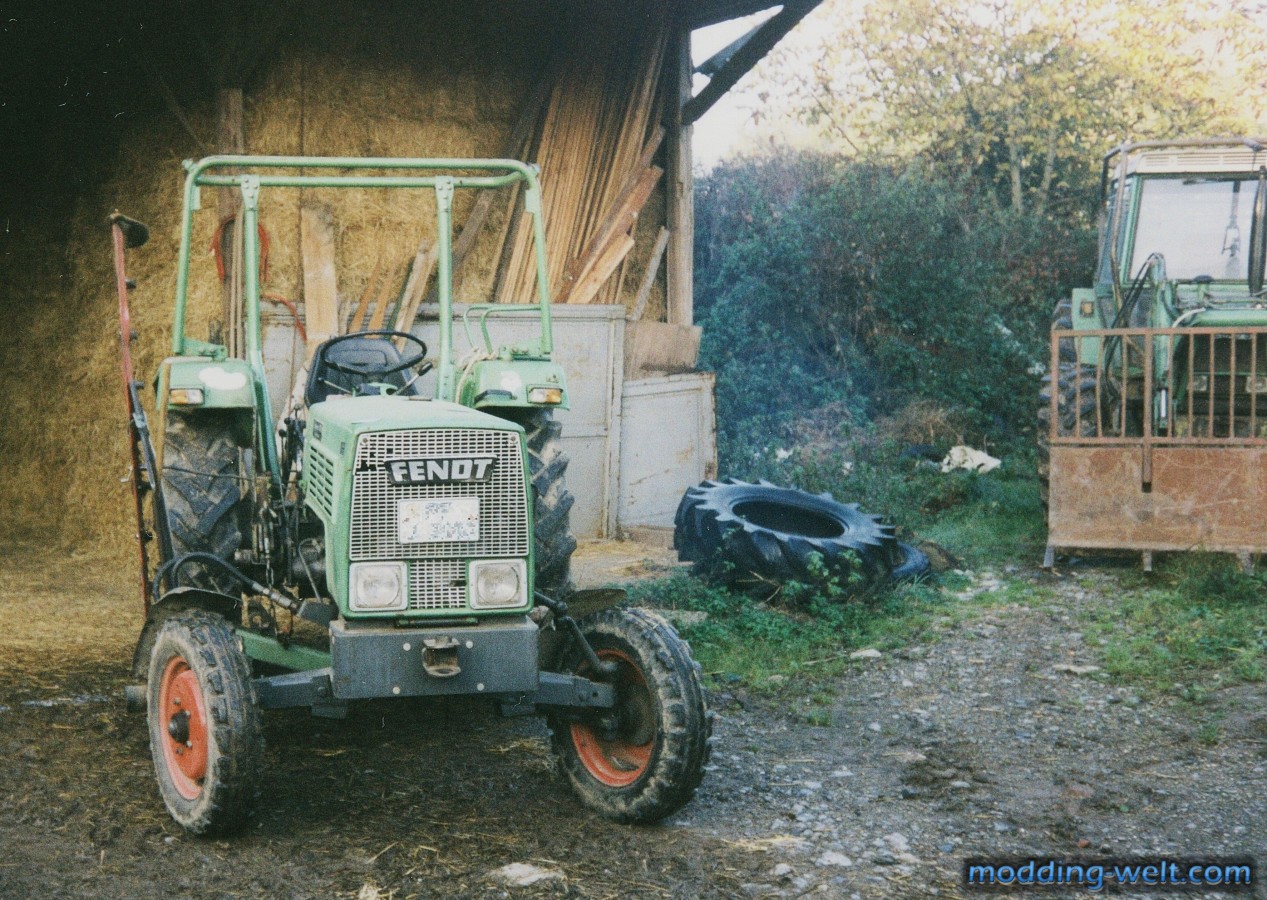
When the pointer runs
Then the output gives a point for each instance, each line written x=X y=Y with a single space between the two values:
x=172 y=567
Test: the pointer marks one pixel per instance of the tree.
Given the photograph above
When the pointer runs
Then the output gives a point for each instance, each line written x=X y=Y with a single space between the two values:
x=1024 y=96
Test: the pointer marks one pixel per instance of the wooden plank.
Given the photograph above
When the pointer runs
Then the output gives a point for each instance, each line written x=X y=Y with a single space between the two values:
x=419 y=274
x=386 y=297
x=371 y=289
x=649 y=277
x=660 y=347
x=321 y=296
x=230 y=138
x=618 y=220
x=606 y=263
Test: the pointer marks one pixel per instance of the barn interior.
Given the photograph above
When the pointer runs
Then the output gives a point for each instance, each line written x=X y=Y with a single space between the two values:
x=101 y=104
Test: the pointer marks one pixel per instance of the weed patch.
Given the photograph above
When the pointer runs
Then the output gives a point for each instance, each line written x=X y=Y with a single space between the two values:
x=1203 y=626
x=752 y=639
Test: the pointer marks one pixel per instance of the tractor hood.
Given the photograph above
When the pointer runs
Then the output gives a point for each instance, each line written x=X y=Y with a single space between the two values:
x=352 y=416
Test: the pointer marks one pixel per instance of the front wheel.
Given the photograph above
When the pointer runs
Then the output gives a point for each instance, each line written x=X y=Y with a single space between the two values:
x=206 y=731
x=643 y=759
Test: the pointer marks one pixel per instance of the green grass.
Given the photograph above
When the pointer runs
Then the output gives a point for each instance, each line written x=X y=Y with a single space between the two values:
x=752 y=639
x=1003 y=523
x=1198 y=624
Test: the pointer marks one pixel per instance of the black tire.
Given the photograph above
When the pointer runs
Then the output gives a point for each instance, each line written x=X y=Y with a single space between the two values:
x=553 y=542
x=912 y=563
x=207 y=763
x=643 y=760
x=731 y=528
x=206 y=510
x=1076 y=405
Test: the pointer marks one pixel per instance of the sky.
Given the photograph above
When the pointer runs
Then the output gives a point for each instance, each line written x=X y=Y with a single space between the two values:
x=727 y=127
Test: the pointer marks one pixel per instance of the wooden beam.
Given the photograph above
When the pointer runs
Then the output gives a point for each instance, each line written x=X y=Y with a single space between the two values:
x=230 y=138
x=747 y=56
x=605 y=264
x=702 y=13
x=680 y=184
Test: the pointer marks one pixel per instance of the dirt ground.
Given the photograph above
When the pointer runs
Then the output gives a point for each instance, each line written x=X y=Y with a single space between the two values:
x=990 y=738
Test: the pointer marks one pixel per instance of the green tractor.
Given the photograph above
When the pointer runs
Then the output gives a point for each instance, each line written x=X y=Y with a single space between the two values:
x=1153 y=420
x=422 y=539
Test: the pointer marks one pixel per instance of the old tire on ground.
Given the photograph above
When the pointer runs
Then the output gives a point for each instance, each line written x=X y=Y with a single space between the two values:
x=731 y=527
x=642 y=760
x=910 y=563
x=206 y=732
x=203 y=492
x=552 y=531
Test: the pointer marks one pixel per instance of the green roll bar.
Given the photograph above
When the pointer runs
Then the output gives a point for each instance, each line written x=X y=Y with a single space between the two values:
x=252 y=173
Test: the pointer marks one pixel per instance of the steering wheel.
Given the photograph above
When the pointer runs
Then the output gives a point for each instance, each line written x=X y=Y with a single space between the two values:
x=418 y=359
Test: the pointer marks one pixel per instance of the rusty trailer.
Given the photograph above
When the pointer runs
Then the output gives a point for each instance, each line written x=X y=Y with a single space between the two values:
x=1148 y=462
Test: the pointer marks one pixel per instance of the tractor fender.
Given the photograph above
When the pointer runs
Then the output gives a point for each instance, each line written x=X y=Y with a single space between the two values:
x=176 y=601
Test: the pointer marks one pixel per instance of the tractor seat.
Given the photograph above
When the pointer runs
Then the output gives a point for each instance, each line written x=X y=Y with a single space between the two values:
x=371 y=353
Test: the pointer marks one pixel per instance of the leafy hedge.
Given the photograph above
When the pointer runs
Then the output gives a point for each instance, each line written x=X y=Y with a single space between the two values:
x=868 y=285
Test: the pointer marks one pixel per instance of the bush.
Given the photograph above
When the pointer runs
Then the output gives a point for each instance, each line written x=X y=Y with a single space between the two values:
x=824 y=281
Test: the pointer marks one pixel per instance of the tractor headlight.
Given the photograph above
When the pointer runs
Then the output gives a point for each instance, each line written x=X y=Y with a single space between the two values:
x=549 y=395
x=377 y=586
x=185 y=397
x=499 y=584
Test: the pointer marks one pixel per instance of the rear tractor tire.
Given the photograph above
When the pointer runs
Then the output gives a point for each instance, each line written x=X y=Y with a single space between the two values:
x=202 y=488
x=644 y=759
x=206 y=730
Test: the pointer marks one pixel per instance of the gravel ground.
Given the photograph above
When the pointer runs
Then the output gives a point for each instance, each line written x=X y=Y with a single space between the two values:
x=1000 y=739
x=991 y=738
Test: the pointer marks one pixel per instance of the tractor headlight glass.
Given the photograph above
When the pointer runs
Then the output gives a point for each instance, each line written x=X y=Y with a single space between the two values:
x=548 y=395
x=185 y=397
x=377 y=586
x=499 y=584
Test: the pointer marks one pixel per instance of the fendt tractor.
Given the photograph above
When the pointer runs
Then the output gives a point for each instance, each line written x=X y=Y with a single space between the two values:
x=422 y=538
x=1155 y=409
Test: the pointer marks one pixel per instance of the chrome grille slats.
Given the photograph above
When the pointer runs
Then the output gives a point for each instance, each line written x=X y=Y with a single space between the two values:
x=503 y=502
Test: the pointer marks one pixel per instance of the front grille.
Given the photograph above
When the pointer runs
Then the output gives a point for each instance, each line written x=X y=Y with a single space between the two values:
x=437 y=584
x=503 y=529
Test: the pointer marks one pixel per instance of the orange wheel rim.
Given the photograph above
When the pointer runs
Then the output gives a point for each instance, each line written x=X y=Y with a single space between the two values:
x=182 y=716
x=621 y=759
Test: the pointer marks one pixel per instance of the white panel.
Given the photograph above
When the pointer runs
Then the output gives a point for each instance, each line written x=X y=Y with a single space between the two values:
x=283 y=355
x=669 y=443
